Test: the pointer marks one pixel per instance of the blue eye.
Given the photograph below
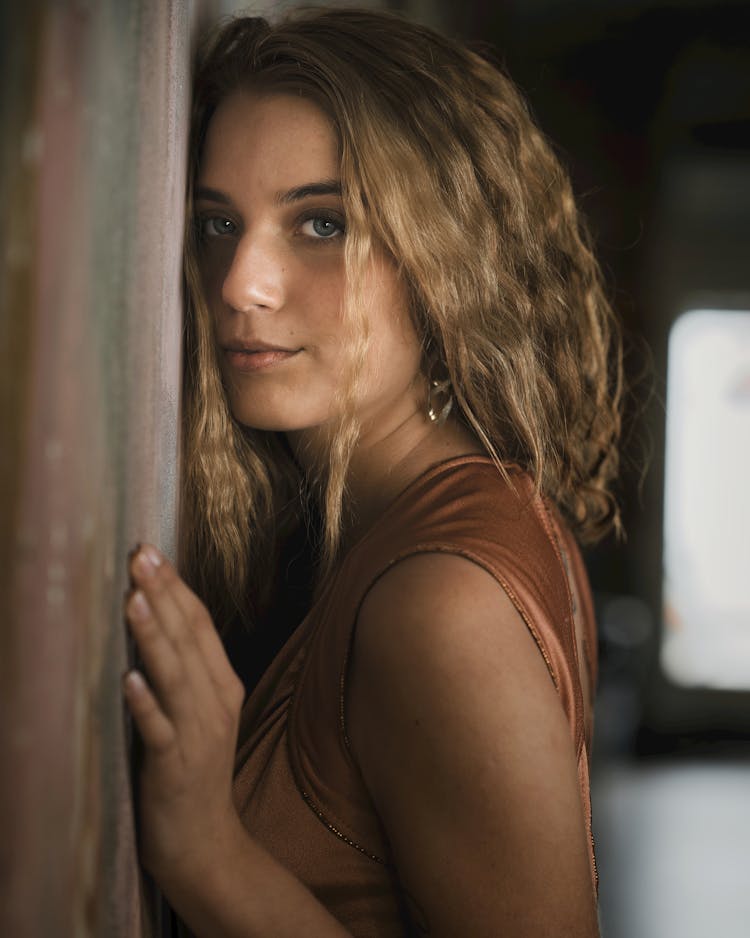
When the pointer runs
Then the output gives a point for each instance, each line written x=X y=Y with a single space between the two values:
x=322 y=228
x=212 y=226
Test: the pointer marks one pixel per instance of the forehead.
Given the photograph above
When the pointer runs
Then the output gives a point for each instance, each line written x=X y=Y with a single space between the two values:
x=276 y=134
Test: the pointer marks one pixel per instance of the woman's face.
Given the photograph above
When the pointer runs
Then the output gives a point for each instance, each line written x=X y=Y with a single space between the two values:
x=272 y=225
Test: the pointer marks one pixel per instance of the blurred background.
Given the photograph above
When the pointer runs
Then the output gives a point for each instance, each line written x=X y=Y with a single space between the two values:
x=648 y=105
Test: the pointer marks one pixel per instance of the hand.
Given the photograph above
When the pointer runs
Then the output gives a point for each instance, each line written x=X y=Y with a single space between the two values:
x=187 y=715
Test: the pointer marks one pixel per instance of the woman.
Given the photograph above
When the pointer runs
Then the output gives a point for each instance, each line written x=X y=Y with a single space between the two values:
x=395 y=327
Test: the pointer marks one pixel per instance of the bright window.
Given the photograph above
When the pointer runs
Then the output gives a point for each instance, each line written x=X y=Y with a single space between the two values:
x=706 y=637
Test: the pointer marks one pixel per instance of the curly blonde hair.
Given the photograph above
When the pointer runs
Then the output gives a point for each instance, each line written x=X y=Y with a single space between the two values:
x=443 y=167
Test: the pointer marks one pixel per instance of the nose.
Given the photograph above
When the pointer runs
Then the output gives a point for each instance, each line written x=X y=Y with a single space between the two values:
x=255 y=278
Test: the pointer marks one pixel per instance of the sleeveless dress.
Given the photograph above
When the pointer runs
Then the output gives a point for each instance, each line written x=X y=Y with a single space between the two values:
x=297 y=786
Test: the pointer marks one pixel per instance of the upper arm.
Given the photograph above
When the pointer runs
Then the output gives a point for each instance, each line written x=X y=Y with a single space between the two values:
x=467 y=754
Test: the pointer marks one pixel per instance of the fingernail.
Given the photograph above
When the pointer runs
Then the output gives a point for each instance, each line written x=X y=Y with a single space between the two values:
x=152 y=554
x=133 y=680
x=147 y=561
x=138 y=605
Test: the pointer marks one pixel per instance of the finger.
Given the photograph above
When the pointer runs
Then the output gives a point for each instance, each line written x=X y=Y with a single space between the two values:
x=182 y=689
x=178 y=672
x=156 y=583
x=151 y=574
x=156 y=730
x=169 y=595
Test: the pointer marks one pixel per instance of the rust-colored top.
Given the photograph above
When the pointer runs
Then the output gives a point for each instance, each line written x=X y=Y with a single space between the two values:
x=297 y=786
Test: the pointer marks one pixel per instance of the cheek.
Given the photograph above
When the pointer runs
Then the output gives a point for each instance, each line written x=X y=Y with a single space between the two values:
x=395 y=355
x=402 y=333
x=394 y=352
x=317 y=289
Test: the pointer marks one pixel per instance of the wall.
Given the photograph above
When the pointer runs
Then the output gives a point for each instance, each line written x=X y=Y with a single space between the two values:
x=92 y=123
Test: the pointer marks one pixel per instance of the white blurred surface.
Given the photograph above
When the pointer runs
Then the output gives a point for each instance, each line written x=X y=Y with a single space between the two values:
x=707 y=501
x=673 y=846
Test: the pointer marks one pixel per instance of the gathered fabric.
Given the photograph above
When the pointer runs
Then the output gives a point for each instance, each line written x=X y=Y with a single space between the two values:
x=297 y=786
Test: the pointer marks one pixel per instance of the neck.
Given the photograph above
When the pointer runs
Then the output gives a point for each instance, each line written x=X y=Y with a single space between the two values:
x=385 y=460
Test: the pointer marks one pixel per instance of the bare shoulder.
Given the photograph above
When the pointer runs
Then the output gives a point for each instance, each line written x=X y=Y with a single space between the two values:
x=445 y=620
x=465 y=748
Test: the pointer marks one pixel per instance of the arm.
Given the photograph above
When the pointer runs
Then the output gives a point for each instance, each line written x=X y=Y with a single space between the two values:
x=466 y=751
x=221 y=883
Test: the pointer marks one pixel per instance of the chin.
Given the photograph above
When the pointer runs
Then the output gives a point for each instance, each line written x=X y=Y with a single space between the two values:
x=265 y=422
x=277 y=420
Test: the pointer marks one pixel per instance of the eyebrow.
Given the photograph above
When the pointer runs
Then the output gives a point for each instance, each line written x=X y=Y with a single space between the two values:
x=324 y=187
x=211 y=195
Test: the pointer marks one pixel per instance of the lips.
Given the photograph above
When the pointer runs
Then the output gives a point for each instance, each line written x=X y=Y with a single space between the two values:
x=255 y=356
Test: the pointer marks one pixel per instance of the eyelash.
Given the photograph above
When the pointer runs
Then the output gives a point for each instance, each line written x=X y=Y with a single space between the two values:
x=329 y=218
x=203 y=221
